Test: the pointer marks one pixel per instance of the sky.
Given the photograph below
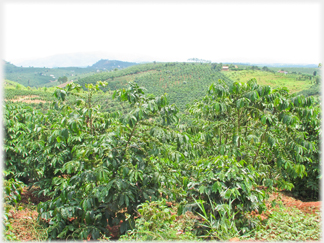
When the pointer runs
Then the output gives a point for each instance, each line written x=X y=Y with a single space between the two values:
x=288 y=32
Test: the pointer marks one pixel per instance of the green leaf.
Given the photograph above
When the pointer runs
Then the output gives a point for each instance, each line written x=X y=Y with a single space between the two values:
x=65 y=133
x=228 y=194
x=202 y=189
x=121 y=199
x=217 y=186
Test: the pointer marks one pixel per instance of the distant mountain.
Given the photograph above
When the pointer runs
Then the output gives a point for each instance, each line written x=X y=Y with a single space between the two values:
x=63 y=60
x=82 y=59
x=105 y=64
x=40 y=76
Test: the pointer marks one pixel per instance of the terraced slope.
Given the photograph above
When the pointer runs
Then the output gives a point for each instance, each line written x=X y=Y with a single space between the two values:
x=183 y=82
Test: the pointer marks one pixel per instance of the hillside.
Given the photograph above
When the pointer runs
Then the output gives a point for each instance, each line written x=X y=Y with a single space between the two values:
x=43 y=97
x=294 y=82
x=38 y=77
x=42 y=76
x=183 y=82
x=105 y=64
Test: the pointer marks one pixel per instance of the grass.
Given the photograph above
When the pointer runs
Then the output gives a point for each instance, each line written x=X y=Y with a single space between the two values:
x=282 y=223
x=275 y=80
x=286 y=224
x=24 y=224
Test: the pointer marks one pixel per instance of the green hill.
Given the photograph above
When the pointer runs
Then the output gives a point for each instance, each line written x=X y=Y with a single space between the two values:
x=105 y=64
x=183 y=82
x=38 y=77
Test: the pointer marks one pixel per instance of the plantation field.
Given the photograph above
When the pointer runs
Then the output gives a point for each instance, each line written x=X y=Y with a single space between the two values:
x=182 y=82
x=164 y=151
x=275 y=80
x=138 y=173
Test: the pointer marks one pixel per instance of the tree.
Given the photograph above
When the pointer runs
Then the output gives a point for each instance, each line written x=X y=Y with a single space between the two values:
x=314 y=73
x=265 y=68
x=62 y=80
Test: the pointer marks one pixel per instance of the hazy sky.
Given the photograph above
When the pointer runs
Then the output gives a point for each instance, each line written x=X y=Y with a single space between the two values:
x=236 y=32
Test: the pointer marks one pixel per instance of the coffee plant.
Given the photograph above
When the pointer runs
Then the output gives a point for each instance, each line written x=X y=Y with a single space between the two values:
x=99 y=165
x=263 y=127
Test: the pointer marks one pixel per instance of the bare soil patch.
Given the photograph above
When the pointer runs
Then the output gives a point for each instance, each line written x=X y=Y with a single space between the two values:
x=28 y=99
x=289 y=201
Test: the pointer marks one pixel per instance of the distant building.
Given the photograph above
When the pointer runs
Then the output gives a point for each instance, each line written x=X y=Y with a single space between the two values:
x=225 y=68
x=285 y=72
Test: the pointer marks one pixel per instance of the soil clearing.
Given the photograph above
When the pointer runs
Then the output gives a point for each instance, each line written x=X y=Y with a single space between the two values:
x=27 y=99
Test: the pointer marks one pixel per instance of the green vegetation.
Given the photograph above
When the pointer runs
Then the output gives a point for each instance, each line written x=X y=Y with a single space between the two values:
x=38 y=77
x=294 y=82
x=159 y=222
x=296 y=70
x=105 y=169
x=287 y=225
x=42 y=98
x=182 y=82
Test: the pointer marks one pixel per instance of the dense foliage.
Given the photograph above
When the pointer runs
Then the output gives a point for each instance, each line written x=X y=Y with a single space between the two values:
x=262 y=126
x=101 y=168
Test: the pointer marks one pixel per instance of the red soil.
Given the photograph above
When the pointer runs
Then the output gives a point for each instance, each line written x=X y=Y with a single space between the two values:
x=22 y=218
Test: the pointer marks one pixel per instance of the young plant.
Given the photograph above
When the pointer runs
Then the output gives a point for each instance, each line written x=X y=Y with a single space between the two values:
x=157 y=221
x=219 y=222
